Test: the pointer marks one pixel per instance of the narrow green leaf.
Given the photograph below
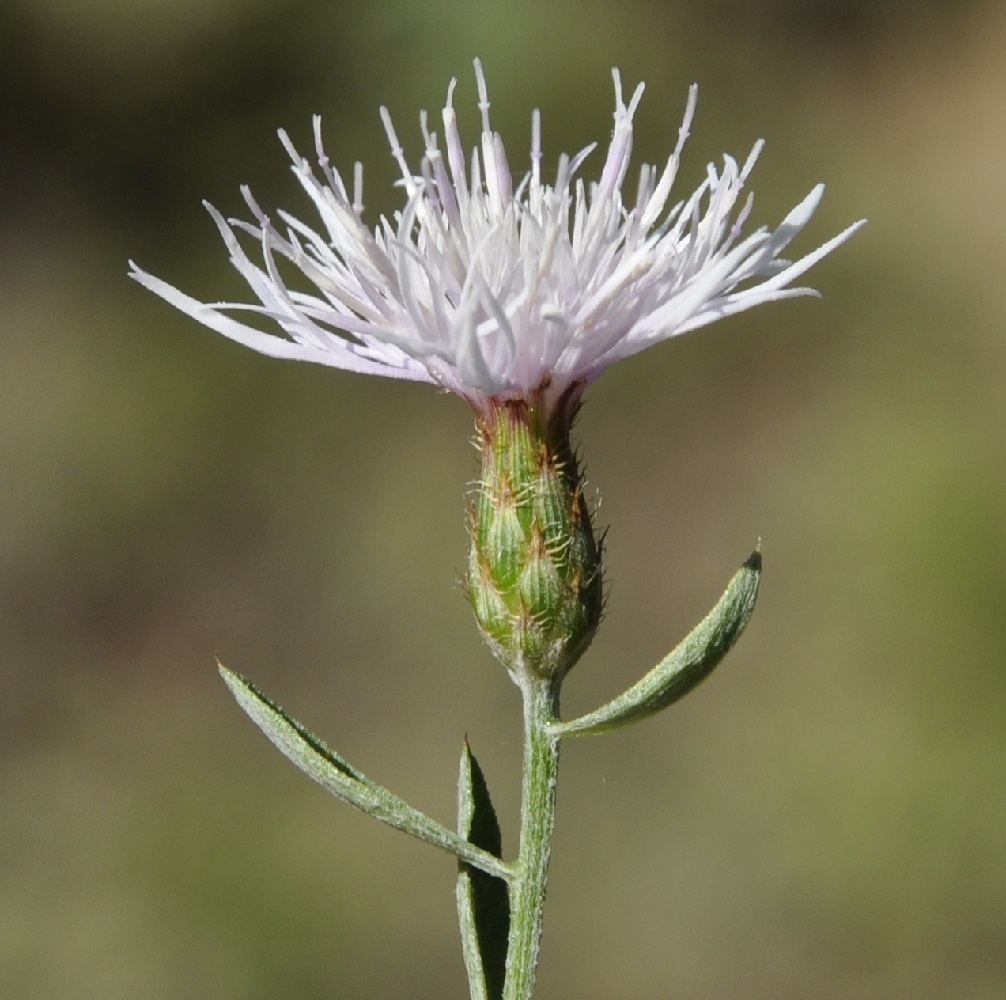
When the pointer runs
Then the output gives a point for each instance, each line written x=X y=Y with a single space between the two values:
x=483 y=901
x=464 y=895
x=326 y=767
x=684 y=668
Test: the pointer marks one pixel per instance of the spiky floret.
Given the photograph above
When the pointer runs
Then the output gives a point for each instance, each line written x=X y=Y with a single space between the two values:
x=490 y=283
x=534 y=568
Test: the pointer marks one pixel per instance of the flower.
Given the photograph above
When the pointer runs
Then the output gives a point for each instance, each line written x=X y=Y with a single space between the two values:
x=500 y=291
x=515 y=297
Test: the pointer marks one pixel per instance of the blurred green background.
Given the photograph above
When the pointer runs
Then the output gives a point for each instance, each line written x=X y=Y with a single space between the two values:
x=825 y=818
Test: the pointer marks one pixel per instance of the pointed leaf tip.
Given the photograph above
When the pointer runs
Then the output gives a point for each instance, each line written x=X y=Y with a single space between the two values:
x=687 y=666
x=477 y=820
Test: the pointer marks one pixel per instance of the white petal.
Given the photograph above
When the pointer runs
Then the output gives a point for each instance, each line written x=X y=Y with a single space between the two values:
x=487 y=283
x=269 y=344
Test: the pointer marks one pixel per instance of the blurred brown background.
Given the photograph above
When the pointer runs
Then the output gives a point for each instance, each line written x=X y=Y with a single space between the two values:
x=825 y=818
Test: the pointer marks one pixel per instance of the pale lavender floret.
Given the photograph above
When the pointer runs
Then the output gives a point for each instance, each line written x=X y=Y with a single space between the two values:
x=492 y=291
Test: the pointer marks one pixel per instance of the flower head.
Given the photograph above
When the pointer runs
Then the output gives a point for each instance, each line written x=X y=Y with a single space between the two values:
x=503 y=290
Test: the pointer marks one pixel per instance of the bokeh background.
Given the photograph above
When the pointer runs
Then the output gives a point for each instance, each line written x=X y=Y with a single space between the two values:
x=825 y=818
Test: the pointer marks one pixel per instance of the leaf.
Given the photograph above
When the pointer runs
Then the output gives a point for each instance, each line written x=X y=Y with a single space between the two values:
x=483 y=900
x=326 y=767
x=684 y=668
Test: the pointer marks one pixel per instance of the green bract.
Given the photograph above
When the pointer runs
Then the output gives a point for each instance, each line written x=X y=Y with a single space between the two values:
x=534 y=569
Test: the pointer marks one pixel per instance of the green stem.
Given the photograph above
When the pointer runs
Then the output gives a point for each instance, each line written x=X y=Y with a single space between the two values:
x=527 y=892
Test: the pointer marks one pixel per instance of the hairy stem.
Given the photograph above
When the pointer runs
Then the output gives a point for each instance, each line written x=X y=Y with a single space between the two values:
x=527 y=892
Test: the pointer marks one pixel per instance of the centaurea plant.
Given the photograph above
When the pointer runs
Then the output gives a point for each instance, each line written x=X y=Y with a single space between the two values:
x=514 y=295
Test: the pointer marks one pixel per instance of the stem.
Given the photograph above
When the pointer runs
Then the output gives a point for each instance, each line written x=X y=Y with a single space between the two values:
x=527 y=892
